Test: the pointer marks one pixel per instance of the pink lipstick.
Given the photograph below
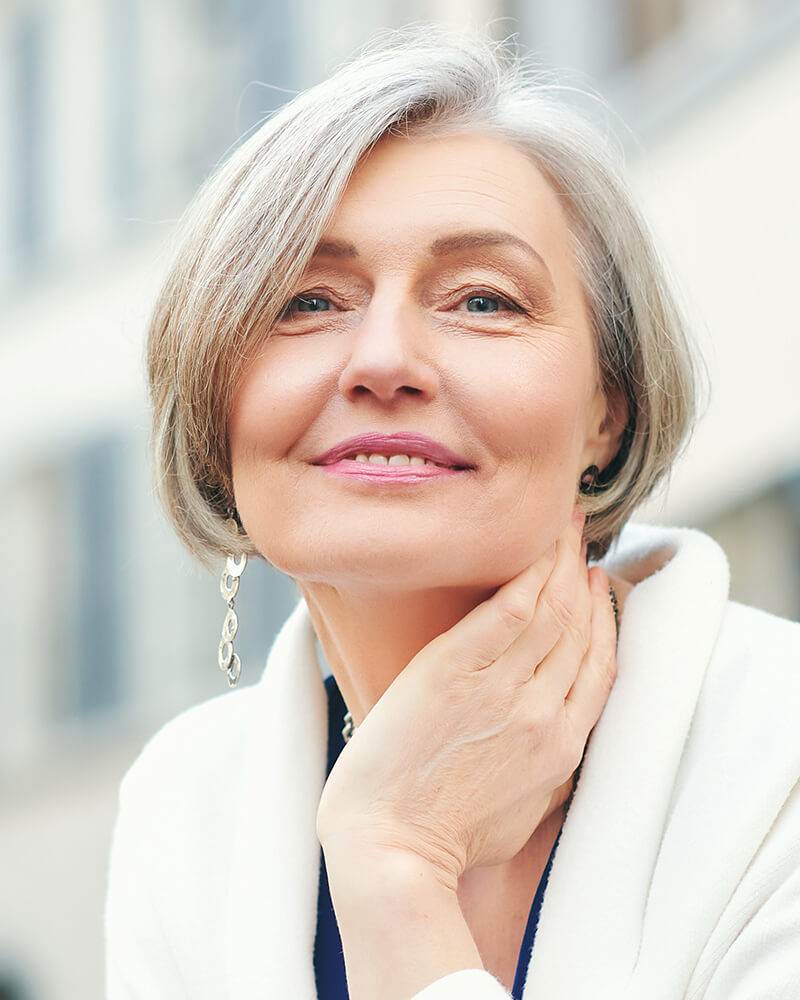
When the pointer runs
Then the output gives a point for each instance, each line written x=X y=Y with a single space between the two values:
x=404 y=457
x=402 y=443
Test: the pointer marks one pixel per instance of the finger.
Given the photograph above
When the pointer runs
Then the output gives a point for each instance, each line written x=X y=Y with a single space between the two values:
x=486 y=632
x=589 y=694
x=554 y=613
x=557 y=672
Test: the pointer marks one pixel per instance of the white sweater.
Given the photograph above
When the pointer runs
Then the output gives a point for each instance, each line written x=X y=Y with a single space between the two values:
x=678 y=870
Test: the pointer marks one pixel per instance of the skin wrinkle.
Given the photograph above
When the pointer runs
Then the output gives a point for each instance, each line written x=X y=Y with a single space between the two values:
x=474 y=239
x=527 y=290
x=386 y=569
x=538 y=300
x=308 y=367
x=453 y=244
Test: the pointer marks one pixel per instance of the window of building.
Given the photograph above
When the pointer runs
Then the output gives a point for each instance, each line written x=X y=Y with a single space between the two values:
x=761 y=537
x=12 y=986
x=649 y=22
x=123 y=107
x=89 y=673
x=266 y=34
x=27 y=135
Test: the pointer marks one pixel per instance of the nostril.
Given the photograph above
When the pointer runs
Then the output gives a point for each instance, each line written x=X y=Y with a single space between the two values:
x=362 y=390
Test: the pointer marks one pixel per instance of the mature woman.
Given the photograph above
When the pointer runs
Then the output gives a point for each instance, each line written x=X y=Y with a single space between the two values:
x=417 y=352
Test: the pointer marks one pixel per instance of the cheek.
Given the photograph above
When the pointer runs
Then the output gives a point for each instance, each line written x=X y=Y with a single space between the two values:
x=258 y=428
x=272 y=405
x=277 y=400
x=532 y=406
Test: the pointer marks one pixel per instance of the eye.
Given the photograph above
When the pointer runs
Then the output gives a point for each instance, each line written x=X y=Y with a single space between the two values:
x=485 y=302
x=307 y=304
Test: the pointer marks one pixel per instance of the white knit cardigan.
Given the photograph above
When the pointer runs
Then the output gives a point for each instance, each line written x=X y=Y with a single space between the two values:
x=678 y=870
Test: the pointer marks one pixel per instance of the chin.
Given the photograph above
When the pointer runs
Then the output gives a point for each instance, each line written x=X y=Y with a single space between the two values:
x=389 y=563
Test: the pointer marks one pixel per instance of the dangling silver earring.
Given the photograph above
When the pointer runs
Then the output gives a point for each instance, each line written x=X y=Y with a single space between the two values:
x=229 y=587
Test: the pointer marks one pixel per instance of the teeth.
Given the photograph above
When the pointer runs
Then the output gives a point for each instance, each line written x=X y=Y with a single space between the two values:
x=394 y=459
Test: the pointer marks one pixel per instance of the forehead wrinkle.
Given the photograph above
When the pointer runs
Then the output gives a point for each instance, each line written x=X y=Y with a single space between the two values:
x=500 y=205
x=498 y=191
x=481 y=243
x=497 y=177
x=378 y=247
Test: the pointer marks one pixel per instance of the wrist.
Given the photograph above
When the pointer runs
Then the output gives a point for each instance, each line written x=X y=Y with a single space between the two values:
x=359 y=854
x=401 y=928
x=361 y=861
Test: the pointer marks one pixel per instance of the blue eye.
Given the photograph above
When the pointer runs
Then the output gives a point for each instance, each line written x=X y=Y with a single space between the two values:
x=309 y=304
x=483 y=304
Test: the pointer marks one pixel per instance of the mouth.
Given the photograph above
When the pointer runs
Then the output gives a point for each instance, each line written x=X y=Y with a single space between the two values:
x=412 y=460
x=401 y=449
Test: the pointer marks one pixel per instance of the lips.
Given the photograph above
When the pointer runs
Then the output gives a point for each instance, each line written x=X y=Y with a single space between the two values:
x=402 y=443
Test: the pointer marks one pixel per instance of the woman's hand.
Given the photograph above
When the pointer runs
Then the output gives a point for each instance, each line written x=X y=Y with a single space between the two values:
x=462 y=757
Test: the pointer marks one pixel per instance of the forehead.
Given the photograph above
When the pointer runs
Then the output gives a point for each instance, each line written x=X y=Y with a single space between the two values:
x=409 y=190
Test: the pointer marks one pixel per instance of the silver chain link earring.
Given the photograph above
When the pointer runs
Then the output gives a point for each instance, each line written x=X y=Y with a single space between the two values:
x=229 y=587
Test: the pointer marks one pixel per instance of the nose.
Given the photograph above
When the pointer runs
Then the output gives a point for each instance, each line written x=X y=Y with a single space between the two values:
x=390 y=353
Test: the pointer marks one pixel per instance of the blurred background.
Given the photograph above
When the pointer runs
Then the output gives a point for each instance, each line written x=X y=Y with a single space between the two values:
x=111 y=114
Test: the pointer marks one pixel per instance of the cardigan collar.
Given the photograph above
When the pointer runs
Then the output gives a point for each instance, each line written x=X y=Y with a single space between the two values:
x=588 y=934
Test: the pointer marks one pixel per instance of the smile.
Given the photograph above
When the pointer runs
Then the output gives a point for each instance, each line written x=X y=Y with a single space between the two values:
x=390 y=469
x=403 y=450
x=396 y=460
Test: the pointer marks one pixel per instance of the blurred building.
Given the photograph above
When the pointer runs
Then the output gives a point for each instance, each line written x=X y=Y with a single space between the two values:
x=111 y=113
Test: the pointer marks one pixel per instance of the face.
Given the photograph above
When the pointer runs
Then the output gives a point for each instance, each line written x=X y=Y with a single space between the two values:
x=442 y=319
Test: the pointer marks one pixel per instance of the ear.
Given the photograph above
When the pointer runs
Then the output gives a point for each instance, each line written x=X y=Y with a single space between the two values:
x=608 y=417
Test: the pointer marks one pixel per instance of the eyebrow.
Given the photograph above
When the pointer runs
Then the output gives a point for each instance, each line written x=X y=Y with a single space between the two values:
x=483 y=238
x=445 y=245
x=334 y=248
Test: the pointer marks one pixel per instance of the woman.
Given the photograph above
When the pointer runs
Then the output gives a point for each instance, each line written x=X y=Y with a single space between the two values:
x=417 y=352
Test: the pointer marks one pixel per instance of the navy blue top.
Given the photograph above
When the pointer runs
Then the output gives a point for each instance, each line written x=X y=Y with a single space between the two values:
x=328 y=957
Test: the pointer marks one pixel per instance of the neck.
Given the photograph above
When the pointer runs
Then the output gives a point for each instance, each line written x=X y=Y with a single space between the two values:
x=369 y=638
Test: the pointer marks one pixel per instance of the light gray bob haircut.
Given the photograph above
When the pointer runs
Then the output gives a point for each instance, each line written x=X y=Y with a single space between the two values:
x=251 y=229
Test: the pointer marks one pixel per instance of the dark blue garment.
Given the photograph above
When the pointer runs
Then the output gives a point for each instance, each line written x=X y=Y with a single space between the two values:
x=328 y=957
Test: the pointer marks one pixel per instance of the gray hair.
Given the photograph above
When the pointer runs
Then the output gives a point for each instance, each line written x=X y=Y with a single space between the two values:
x=253 y=225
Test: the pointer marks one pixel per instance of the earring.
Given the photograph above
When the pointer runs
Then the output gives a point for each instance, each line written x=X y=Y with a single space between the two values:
x=229 y=587
x=588 y=483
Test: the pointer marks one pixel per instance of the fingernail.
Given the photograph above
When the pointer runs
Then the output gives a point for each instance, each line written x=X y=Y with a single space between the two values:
x=583 y=550
x=578 y=519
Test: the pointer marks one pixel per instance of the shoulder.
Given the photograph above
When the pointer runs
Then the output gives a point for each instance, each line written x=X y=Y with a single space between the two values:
x=756 y=660
x=744 y=740
x=752 y=688
x=761 y=634
x=173 y=840
x=193 y=759
x=196 y=735
x=744 y=804
x=752 y=683
x=170 y=854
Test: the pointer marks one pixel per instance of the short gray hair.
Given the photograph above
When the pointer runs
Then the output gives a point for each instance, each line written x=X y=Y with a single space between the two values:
x=252 y=227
